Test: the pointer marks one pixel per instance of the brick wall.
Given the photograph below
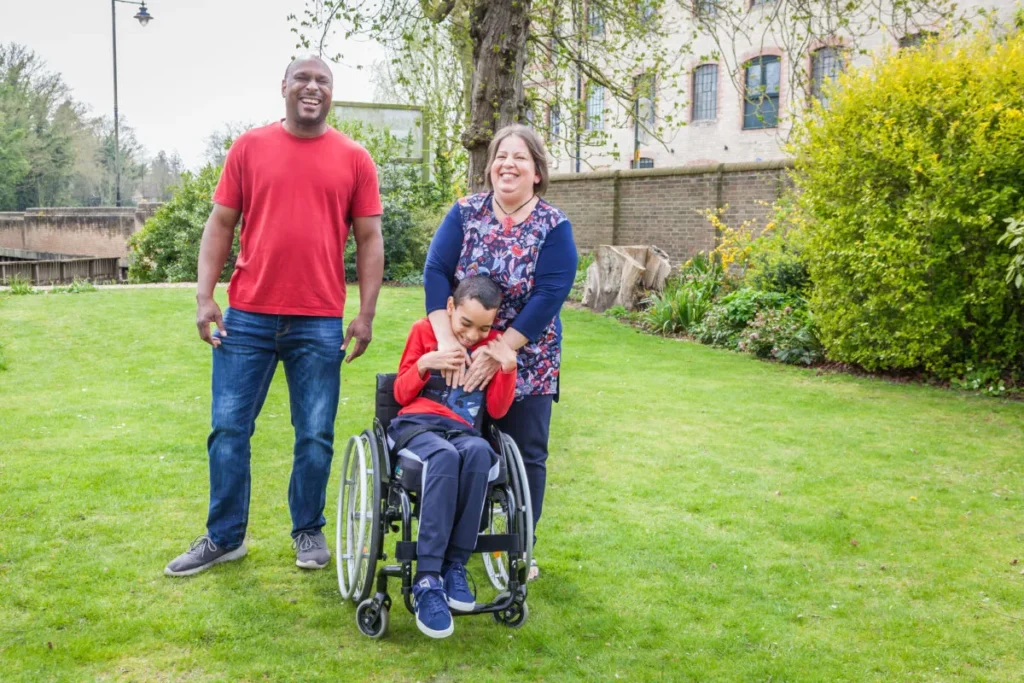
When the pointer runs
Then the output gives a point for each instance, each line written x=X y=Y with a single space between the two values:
x=665 y=207
x=94 y=231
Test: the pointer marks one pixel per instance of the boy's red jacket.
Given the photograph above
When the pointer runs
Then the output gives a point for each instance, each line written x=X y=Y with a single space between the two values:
x=499 y=393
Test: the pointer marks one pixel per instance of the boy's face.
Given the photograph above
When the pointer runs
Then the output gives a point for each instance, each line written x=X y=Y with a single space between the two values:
x=471 y=322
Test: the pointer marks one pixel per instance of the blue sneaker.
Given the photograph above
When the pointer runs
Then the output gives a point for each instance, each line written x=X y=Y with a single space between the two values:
x=460 y=597
x=432 y=614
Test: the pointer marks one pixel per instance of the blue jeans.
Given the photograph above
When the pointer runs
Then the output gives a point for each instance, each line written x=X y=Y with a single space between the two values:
x=243 y=367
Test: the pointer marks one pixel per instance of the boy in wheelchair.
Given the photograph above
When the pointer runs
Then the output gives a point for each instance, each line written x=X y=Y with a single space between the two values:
x=439 y=426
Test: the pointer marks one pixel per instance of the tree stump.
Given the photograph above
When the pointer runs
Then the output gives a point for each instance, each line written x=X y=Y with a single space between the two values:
x=620 y=275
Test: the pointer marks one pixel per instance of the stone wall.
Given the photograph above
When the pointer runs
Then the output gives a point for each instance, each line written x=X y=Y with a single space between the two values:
x=94 y=231
x=665 y=207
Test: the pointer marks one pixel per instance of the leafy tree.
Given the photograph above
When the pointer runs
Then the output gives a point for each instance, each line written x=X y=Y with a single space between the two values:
x=37 y=120
x=426 y=75
x=163 y=174
x=494 y=40
x=219 y=141
x=133 y=168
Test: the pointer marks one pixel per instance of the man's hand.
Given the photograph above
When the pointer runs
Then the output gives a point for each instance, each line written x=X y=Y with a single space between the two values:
x=362 y=329
x=207 y=312
x=500 y=351
x=444 y=361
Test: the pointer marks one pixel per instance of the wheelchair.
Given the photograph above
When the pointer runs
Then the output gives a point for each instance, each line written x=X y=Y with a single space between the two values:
x=380 y=493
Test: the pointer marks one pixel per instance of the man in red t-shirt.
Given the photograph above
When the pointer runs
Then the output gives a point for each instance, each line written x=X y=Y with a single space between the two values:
x=299 y=187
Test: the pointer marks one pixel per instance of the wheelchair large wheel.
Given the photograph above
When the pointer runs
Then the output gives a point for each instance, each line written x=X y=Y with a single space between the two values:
x=496 y=563
x=524 y=506
x=359 y=532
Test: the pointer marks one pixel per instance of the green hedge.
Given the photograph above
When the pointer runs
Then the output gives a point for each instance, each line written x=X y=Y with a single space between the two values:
x=906 y=183
x=167 y=247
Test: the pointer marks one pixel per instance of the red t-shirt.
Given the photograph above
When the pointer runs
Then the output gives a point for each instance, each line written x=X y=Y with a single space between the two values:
x=297 y=197
x=499 y=393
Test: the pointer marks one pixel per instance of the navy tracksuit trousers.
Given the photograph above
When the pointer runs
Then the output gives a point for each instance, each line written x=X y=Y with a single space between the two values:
x=455 y=477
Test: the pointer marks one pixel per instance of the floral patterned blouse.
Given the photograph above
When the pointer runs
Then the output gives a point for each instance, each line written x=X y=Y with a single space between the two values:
x=534 y=263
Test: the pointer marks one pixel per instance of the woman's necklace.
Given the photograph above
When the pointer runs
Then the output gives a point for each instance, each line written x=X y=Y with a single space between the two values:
x=507 y=222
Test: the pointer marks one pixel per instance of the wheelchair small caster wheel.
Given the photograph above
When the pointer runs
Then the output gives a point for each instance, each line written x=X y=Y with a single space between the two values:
x=513 y=616
x=370 y=625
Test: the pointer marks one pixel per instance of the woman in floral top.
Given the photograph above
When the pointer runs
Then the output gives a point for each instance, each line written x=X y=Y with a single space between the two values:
x=526 y=246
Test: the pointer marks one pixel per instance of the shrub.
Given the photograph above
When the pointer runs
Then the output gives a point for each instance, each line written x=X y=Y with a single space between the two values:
x=744 y=304
x=406 y=233
x=786 y=335
x=1014 y=238
x=776 y=259
x=582 y=264
x=686 y=299
x=76 y=287
x=716 y=329
x=167 y=247
x=905 y=182
x=21 y=286
x=728 y=318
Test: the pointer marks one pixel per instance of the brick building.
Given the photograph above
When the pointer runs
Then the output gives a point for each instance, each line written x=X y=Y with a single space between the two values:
x=723 y=123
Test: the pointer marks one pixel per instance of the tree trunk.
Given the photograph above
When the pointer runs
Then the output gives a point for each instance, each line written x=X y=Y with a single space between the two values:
x=620 y=275
x=498 y=29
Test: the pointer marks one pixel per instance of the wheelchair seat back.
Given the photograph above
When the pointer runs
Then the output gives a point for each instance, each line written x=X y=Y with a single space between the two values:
x=386 y=408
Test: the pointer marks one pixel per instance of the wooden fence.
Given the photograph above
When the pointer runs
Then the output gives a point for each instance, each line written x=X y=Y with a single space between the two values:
x=62 y=271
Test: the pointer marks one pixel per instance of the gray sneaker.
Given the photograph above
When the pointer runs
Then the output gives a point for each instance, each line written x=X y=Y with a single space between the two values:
x=311 y=551
x=200 y=556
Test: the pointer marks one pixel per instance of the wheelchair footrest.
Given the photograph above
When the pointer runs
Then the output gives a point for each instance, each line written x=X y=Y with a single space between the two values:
x=494 y=543
x=405 y=551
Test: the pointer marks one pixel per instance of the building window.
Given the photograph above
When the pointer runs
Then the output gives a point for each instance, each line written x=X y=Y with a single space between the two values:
x=644 y=87
x=647 y=11
x=595 y=107
x=595 y=21
x=705 y=92
x=913 y=40
x=761 y=99
x=826 y=65
x=757 y=3
x=642 y=162
x=707 y=9
x=554 y=120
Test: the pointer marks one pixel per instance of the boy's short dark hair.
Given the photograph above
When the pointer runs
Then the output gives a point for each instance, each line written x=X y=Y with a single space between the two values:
x=479 y=287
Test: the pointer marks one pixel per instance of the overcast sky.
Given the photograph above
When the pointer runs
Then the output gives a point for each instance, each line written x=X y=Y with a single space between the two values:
x=198 y=64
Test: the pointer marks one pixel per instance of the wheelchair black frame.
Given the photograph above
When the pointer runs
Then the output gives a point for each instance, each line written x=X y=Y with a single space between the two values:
x=397 y=509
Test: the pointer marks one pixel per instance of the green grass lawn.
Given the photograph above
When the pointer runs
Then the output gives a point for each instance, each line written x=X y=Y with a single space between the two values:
x=709 y=517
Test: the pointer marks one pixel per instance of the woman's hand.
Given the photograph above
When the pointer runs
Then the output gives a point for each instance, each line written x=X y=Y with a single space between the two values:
x=483 y=368
x=452 y=360
x=500 y=351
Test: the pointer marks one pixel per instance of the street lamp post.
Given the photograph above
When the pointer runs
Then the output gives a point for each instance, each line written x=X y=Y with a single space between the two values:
x=144 y=18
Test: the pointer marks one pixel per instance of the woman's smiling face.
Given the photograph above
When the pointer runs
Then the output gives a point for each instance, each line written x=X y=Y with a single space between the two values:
x=513 y=173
